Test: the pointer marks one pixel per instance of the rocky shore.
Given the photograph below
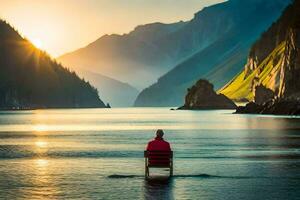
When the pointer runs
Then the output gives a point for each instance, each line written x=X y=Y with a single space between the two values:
x=274 y=107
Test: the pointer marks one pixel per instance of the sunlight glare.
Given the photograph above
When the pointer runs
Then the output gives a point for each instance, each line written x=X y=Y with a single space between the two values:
x=40 y=128
x=41 y=162
x=41 y=144
x=37 y=43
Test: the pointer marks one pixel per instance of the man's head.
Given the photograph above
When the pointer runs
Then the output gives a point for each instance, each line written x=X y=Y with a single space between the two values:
x=159 y=133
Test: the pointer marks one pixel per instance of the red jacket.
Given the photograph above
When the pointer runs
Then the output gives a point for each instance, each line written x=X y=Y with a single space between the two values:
x=158 y=144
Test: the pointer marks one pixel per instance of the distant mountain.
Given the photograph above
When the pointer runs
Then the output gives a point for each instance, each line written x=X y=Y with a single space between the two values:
x=238 y=23
x=29 y=78
x=136 y=58
x=149 y=51
x=117 y=93
x=273 y=61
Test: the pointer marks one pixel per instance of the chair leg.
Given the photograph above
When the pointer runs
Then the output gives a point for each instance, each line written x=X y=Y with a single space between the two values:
x=147 y=172
x=171 y=169
x=145 y=167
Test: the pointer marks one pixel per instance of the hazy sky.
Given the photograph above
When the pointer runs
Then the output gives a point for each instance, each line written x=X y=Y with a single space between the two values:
x=60 y=26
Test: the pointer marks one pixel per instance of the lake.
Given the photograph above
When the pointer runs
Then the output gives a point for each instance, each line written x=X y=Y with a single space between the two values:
x=98 y=154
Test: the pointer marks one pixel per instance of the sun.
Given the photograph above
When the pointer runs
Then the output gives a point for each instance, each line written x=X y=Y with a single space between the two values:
x=37 y=43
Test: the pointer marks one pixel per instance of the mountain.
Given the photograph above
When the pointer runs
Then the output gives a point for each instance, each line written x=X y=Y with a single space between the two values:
x=239 y=24
x=117 y=93
x=29 y=78
x=273 y=62
x=202 y=96
x=149 y=51
x=135 y=58
x=143 y=55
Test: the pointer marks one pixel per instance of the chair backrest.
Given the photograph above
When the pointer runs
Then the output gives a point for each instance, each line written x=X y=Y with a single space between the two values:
x=159 y=158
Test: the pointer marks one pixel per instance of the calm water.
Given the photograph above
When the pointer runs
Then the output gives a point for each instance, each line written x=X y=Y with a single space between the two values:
x=98 y=154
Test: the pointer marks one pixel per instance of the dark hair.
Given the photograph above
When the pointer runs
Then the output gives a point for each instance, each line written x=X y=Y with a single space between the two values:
x=160 y=133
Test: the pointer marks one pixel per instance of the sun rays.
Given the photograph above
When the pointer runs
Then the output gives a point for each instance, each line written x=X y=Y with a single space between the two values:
x=37 y=43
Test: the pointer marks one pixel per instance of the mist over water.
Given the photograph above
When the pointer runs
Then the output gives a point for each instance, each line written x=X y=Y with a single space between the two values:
x=98 y=154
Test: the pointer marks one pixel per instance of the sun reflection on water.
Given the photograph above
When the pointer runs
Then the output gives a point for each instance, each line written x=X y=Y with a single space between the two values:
x=41 y=162
x=41 y=144
x=40 y=128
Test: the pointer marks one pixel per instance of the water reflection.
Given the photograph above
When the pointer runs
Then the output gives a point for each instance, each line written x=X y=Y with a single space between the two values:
x=68 y=154
x=158 y=188
x=42 y=179
x=41 y=163
x=40 y=148
x=41 y=144
x=40 y=128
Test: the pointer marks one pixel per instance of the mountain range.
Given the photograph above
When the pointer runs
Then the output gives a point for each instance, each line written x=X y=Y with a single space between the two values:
x=128 y=61
x=238 y=23
x=30 y=78
x=171 y=57
x=150 y=51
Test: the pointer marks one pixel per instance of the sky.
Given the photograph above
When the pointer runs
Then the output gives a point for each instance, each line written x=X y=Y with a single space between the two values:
x=61 y=26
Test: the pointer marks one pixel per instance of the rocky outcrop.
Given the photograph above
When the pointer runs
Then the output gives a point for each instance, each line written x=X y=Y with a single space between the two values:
x=262 y=94
x=277 y=106
x=203 y=96
x=274 y=107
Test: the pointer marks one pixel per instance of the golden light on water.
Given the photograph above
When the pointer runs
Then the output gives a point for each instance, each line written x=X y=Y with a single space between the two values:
x=41 y=144
x=40 y=128
x=41 y=162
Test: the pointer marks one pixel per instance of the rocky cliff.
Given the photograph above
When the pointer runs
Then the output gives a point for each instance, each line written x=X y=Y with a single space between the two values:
x=290 y=69
x=202 y=96
x=272 y=62
x=272 y=107
x=262 y=94
x=278 y=71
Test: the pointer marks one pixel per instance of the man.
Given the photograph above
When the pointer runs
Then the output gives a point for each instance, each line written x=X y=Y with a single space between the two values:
x=158 y=144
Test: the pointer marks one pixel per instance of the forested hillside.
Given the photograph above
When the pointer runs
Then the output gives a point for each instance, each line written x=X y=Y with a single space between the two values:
x=29 y=78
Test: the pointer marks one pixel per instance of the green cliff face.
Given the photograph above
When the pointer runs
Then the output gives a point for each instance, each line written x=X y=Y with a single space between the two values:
x=273 y=62
x=267 y=73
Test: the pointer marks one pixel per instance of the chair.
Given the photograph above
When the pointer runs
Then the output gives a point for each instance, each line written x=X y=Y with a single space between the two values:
x=158 y=159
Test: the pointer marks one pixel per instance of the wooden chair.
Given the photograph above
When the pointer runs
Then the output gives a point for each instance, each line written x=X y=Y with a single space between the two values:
x=158 y=159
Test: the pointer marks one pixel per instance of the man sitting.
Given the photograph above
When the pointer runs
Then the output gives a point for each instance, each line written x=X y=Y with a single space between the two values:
x=158 y=144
